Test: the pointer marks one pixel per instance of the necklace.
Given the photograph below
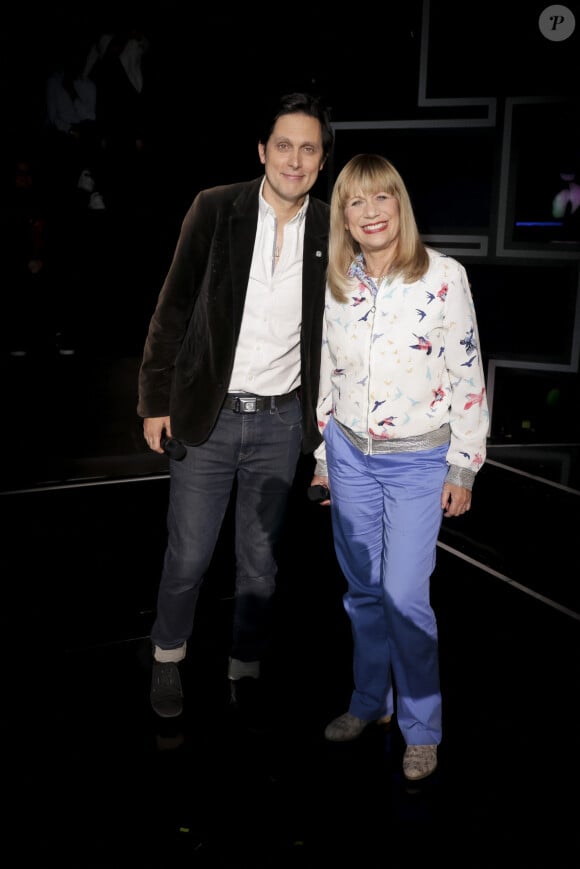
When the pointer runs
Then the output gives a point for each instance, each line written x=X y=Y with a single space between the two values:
x=380 y=277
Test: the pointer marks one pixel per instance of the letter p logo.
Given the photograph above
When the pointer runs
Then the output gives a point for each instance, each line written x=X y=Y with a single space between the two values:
x=557 y=23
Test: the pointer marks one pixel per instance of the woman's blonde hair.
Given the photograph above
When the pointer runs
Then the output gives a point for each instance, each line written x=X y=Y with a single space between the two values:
x=368 y=174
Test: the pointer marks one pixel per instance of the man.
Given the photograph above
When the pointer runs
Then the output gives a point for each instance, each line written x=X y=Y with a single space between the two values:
x=230 y=369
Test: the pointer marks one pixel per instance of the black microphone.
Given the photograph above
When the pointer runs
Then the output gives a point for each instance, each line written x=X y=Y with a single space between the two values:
x=318 y=493
x=173 y=448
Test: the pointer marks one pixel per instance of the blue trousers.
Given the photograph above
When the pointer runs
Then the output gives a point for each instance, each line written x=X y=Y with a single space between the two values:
x=386 y=516
x=259 y=452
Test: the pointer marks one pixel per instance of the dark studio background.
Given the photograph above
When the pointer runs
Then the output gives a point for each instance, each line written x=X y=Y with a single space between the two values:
x=480 y=113
x=478 y=110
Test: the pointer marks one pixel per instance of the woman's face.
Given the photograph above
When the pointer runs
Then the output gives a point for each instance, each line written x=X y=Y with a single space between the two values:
x=373 y=220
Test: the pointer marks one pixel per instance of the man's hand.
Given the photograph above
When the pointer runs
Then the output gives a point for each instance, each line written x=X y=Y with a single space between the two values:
x=153 y=429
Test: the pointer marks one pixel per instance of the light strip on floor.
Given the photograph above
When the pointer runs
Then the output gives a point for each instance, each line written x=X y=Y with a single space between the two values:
x=512 y=582
x=545 y=480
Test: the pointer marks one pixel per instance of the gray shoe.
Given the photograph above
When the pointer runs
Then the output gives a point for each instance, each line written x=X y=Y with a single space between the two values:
x=166 y=691
x=347 y=727
x=419 y=761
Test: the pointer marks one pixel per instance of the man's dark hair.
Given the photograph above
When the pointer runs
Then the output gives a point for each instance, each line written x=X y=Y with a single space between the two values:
x=306 y=104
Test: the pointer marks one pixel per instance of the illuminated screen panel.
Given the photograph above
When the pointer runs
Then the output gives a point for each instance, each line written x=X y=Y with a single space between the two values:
x=543 y=178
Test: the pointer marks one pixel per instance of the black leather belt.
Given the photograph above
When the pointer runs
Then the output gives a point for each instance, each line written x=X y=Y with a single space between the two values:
x=246 y=403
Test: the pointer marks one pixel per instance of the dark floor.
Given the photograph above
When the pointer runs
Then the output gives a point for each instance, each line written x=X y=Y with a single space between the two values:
x=91 y=778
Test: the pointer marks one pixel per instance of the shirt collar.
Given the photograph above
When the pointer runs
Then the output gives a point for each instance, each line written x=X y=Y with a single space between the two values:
x=266 y=209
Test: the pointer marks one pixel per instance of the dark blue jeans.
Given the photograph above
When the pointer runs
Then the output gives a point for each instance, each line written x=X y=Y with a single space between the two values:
x=260 y=451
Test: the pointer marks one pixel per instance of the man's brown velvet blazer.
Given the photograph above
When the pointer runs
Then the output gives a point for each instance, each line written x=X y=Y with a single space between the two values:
x=189 y=352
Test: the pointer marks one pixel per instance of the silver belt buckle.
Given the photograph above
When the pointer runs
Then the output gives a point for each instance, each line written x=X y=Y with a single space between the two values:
x=247 y=405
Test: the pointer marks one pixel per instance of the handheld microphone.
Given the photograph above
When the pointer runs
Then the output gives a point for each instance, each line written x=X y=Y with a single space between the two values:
x=173 y=448
x=316 y=494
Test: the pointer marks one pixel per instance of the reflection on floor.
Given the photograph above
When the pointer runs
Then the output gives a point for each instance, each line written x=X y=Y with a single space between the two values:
x=94 y=779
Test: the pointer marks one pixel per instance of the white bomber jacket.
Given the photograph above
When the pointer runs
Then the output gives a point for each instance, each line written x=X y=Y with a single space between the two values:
x=401 y=367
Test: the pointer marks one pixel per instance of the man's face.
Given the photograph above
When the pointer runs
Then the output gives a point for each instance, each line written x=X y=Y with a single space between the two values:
x=292 y=156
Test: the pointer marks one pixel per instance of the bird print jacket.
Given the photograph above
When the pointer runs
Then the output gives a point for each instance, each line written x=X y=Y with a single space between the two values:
x=401 y=367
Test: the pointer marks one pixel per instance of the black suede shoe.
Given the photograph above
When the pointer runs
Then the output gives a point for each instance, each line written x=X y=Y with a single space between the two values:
x=166 y=691
x=248 y=704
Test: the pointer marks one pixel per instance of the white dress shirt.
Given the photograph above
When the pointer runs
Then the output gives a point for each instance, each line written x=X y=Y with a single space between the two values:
x=267 y=360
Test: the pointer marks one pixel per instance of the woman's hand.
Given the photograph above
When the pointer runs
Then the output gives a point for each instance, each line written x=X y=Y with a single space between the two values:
x=455 y=500
x=321 y=481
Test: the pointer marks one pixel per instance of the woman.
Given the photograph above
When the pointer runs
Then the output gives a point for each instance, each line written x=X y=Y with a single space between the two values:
x=403 y=414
